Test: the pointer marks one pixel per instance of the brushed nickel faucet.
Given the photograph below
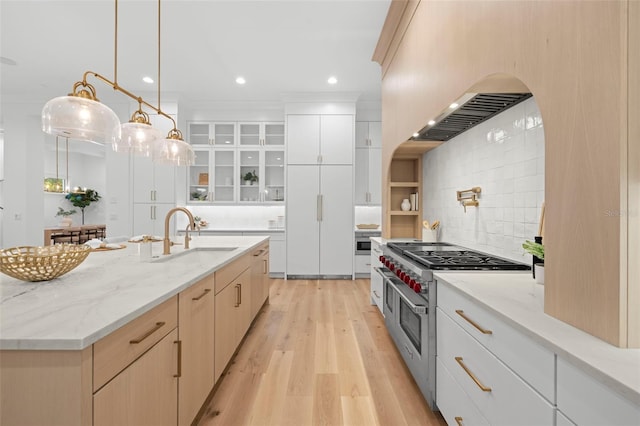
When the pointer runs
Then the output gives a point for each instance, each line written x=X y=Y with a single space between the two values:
x=167 y=242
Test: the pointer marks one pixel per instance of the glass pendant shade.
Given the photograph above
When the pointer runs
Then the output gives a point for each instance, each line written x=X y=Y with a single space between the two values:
x=173 y=151
x=137 y=138
x=80 y=118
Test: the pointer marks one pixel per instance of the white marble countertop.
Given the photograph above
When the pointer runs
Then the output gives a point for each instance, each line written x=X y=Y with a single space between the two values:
x=106 y=291
x=205 y=231
x=519 y=301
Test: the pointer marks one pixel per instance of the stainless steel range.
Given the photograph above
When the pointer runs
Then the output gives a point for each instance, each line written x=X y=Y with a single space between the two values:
x=410 y=298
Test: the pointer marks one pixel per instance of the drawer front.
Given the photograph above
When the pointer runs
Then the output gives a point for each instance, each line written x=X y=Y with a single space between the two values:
x=531 y=361
x=455 y=405
x=226 y=275
x=376 y=289
x=500 y=395
x=116 y=351
x=362 y=264
x=587 y=401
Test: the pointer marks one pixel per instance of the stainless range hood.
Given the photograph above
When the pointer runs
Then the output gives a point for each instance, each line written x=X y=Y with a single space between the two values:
x=471 y=110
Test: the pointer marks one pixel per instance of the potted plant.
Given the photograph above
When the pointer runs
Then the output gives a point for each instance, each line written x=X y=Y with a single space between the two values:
x=537 y=250
x=83 y=198
x=66 y=220
x=250 y=177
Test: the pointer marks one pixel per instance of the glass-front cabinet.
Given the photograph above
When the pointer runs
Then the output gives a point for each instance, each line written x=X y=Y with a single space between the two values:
x=237 y=163
x=211 y=177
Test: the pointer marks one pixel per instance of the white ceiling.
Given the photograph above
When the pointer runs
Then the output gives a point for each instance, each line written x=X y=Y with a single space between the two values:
x=280 y=47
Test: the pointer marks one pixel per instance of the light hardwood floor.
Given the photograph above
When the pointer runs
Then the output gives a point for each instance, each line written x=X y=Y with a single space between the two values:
x=318 y=354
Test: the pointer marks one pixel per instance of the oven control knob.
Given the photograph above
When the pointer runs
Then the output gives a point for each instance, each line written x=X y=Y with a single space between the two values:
x=401 y=275
x=417 y=288
x=398 y=272
x=387 y=263
x=381 y=259
x=414 y=285
x=406 y=279
x=392 y=266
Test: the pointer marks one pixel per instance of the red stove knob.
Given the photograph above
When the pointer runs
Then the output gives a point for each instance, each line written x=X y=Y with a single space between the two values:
x=398 y=272
x=392 y=266
x=387 y=263
x=406 y=279
x=417 y=288
x=413 y=284
x=401 y=275
x=381 y=259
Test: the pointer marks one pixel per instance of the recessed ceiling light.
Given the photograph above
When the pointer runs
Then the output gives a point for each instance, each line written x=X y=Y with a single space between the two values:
x=453 y=105
x=416 y=134
x=147 y=80
x=241 y=80
x=431 y=122
x=332 y=80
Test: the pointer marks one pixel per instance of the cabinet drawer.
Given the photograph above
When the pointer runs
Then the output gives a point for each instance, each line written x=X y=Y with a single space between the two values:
x=454 y=404
x=531 y=361
x=226 y=275
x=116 y=351
x=362 y=264
x=587 y=401
x=499 y=394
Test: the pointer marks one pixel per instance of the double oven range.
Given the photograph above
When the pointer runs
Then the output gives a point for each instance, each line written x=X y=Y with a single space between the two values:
x=410 y=298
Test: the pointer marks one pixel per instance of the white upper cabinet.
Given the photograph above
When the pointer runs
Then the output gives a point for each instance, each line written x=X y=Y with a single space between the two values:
x=368 y=163
x=261 y=134
x=212 y=133
x=320 y=139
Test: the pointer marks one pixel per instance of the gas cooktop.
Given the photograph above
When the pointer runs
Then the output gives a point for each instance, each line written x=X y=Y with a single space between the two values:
x=443 y=256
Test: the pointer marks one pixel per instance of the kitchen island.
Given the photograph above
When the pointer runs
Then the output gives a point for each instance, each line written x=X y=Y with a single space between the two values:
x=117 y=322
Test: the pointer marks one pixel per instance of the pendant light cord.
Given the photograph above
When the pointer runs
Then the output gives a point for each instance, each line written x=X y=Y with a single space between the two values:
x=115 y=44
x=159 y=105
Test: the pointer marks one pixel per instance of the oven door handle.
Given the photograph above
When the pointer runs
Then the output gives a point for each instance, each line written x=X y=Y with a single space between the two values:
x=417 y=308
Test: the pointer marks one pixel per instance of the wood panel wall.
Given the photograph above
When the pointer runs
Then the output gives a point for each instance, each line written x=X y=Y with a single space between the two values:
x=574 y=58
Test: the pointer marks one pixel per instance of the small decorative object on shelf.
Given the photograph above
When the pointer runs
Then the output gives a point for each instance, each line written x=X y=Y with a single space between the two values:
x=250 y=178
x=66 y=220
x=406 y=205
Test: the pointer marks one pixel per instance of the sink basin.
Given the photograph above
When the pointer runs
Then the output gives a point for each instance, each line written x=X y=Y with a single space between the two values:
x=164 y=258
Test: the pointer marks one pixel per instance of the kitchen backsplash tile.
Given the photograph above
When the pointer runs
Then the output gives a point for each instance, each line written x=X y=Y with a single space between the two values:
x=505 y=157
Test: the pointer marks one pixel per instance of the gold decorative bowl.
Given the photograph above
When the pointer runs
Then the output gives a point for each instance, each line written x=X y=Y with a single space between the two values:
x=41 y=263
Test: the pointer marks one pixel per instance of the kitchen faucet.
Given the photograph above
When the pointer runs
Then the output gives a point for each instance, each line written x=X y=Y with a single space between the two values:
x=167 y=242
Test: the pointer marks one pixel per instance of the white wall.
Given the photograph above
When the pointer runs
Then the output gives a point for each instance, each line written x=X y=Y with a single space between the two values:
x=505 y=157
x=233 y=217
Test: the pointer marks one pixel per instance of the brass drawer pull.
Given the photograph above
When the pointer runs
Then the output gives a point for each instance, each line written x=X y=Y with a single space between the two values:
x=204 y=293
x=473 y=323
x=473 y=377
x=459 y=420
x=179 y=374
x=155 y=328
x=238 y=295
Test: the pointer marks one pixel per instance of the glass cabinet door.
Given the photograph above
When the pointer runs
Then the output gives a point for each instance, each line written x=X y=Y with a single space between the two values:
x=250 y=174
x=274 y=134
x=224 y=134
x=199 y=134
x=199 y=177
x=224 y=166
x=274 y=175
x=249 y=134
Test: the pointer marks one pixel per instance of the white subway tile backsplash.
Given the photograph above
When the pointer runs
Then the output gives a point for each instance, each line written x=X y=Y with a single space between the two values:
x=505 y=157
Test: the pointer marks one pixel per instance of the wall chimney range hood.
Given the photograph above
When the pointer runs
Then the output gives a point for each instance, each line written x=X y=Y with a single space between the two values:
x=473 y=109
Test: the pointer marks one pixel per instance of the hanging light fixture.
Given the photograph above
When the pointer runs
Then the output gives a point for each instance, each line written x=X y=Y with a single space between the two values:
x=80 y=115
x=173 y=149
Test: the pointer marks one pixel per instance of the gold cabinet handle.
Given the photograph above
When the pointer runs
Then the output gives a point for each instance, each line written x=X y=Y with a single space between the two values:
x=458 y=420
x=473 y=377
x=472 y=322
x=237 y=295
x=179 y=373
x=155 y=328
x=240 y=286
x=265 y=269
x=204 y=293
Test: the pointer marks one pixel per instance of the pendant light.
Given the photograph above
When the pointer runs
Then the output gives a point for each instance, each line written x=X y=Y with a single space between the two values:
x=80 y=115
x=173 y=149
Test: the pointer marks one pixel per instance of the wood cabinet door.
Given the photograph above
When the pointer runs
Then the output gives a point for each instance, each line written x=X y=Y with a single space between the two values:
x=145 y=393
x=226 y=302
x=196 y=332
x=243 y=315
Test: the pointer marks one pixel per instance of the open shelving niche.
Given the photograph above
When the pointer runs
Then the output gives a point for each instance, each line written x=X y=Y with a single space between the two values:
x=405 y=178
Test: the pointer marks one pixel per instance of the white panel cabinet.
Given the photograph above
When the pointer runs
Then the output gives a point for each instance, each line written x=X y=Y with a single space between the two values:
x=376 y=279
x=582 y=398
x=320 y=221
x=153 y=195
x=148 y=219
x=320 y=139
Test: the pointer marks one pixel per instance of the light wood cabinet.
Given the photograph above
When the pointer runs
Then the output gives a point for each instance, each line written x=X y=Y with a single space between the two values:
x=146 y=392
x=196 y=333
x=405 y=178
x=259 y=278
x=232 y=315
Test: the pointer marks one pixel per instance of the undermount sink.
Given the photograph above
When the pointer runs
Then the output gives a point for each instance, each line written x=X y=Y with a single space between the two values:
x=164 y=258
